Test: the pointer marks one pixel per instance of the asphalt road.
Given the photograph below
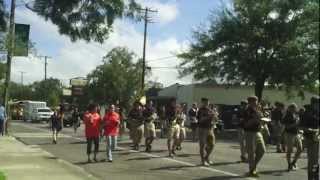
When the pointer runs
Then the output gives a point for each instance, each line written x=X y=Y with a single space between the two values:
x=133 y=165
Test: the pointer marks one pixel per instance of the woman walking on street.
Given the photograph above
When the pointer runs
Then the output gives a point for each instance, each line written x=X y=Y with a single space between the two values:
x=76 y=119
x=92 y=122
x=56 y=122
x=111 y=130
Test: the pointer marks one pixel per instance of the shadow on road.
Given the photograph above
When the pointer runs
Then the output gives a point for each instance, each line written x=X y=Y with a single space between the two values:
x=187 y=155
x=173 y=168
x=225 y=163
x=79 y=142
x=86 y=162
x=220 y=178
x=142 y=158
x=274 y=172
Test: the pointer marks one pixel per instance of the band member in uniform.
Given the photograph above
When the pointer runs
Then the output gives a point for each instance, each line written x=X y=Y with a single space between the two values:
x=276 y=119
x=149 y=115
x=254 y=140
x=193 y=121
x=162 y=118
x=136 y=124
x=172 y=127
x=291 y=122
x=206 y=118
x=181 y=118
x=310 y=124
x=242 y=142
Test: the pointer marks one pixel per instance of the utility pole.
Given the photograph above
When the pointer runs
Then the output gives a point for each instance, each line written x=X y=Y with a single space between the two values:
x=45 y=65
x=22 y=76
x=9 y=58
x=147 y=20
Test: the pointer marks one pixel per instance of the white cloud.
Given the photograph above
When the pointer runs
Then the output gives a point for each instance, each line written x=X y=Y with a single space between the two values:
x=80 y=58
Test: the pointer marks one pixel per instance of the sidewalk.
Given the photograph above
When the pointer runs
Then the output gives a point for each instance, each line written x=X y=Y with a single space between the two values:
x=22 y=162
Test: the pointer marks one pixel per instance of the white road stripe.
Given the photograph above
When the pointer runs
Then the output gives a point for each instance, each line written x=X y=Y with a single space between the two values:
x=156 y=156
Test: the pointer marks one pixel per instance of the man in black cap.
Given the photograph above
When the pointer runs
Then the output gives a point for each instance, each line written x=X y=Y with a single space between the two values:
x=254 y=140
x=206 y=120
x=310 y=125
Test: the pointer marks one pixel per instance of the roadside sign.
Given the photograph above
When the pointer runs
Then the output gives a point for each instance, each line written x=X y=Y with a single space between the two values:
x=21 y=41
x=79 y=81
x=77 y=90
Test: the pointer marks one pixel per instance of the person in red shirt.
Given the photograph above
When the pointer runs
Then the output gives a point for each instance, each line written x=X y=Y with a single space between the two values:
x=92 y=122
x=111 y=129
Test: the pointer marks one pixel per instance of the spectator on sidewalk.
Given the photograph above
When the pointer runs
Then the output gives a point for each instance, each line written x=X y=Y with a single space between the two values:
x=111 y=121
x=92 y=122
x=3 y=118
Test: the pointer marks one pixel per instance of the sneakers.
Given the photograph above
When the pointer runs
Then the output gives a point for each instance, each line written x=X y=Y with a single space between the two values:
x=243 y=159
x=292 y=167
x=205 y=163
x=148 y=148
x=179 y=148
x=89 y=160
x=252 y=174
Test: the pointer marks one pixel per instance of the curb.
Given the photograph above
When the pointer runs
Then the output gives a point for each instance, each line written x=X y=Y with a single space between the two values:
x=80 y=170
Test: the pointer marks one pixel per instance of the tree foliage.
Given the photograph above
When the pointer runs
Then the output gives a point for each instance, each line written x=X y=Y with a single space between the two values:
x=2 y=71
x=258 y=42
x=3 y=16
x=118 y=78
x=21 y=92
x=49 y=90
x=84 y=19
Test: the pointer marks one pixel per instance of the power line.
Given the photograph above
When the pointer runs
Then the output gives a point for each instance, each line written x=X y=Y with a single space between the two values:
x=162 y=58
x=166 y=67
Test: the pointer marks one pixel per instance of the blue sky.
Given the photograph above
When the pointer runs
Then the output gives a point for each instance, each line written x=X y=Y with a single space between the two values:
x=171 y=33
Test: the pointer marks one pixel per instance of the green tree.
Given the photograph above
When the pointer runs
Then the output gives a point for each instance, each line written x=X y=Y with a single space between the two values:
x=20 y=92
x=49 y=90
x=84 y=19
x=3 y=16
x=118 y=78
x=258 y=42
x=2 y=71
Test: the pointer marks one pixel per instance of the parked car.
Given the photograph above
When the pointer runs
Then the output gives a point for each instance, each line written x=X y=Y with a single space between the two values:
x=67 y=120
x=41 y=114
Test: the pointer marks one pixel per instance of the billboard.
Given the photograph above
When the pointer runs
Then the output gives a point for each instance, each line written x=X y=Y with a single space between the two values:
x=21 y=40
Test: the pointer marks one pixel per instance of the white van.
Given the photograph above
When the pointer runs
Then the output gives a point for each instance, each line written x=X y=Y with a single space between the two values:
x=41 y=114
x=29 y=108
